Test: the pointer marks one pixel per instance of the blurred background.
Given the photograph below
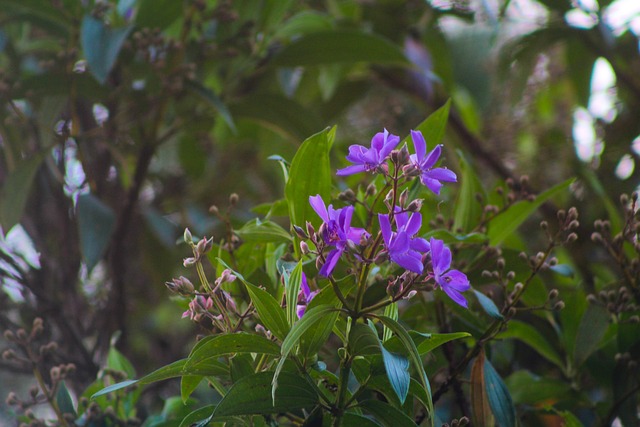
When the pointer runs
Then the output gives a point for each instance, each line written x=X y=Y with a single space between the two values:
x=122 y=122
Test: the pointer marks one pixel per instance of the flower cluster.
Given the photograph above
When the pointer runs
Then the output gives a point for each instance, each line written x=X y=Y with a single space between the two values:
x=400 y=228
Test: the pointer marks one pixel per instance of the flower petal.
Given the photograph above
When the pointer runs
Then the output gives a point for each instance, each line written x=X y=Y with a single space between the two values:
x=410 y=260
x=414 y=223
x=432 y=157
x=419 y=244
x=443 y=174
x=332 y=260
x=390 y=143
x=318 y=205
x=457 y=280
x=419 y=144
x=455 y=296
x=350 y=170
x=432 y=184
x=385 y=228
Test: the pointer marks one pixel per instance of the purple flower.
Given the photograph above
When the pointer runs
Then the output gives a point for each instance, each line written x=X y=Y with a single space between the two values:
x=452 y=282
x=424 y=162
x=404 y=249
x=336 y=231
x=370 y=159
x=304 y=296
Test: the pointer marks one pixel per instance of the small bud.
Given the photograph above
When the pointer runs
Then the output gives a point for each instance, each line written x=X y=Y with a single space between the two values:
x=410 y=295
x=188 y=238
x=518 y=287
x=634 y=319
x=33 y=392
x=486 y=273
x=511 y=275
x=12 y=399
x=402 y=201
x=22 y=334
x=410 y=170
x=310 y=230
x=233 y=199
x=558 y=306
x=55 y=373
x=8 y=355
x=561 y=214
x=304 y=248
x=553 y=294
x=572 y=237
x=371 y=190
x=500 y=263
x=347 y=195
x=189 y=262
x=300 y=232
x=381 y=257
x=415 y=206
x=596 y=237
x=9 y=335
x=213 y=209
x=544 y=225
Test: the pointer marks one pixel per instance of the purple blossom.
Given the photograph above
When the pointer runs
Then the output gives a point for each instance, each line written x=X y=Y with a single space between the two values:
x=370 y=159
x=197 y=306
x=452 y=282
x=304 y=296
x=403 y=247
x=424 y=162
x=336 y=231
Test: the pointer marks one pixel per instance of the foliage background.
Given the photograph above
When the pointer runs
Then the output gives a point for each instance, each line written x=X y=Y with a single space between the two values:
x=200 y=93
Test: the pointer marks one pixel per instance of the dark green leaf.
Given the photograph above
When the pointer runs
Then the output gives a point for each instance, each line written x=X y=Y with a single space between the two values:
x=342 y=46
x=531 y=336
x=488 y=305
x=256 y=231
x=158 y=13
x=592 y=329
x=188 y=383
x=499 y=397
x=15 y=191
x=310 y=174
x=530 y=389
x=397 y=368
x=449 y=238
x=64 y=401
x=434 y=126
x=114 y=387
x=96 y=222
x=354 y=420
x=436 y=340
x=386 y=414
x=212 y=347
x=177 y=369
x=252 y=395
x=468 y=210
x=213 y=99
x=101 y=45
x=363 y=340
x=508 y=222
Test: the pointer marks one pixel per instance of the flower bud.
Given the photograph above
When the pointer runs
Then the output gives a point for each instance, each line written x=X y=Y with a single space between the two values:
x=188 y=238
x=402 y=201
x=233 y=199
x=300 y=232
x=410 y=170
x=553 y=293
x=304 y=248
x=371 y=190
x=347 y=195
x=415 y=205
x=410 y=295
x=214 y=210
x=310 y=230
x=558 y=306
x=189 y=262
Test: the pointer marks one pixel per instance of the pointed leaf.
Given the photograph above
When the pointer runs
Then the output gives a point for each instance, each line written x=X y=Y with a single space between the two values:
x=292 y=283
x=363 y=340
x=212 y=347
x=339 y=46
x=397 y=368
x=593 y=326
x=101 y=45
x=96 y=222
x=256 y=231
x=508 y=222
x=386 y=414
x=64 y=401
x=188 y=384
x=253 y=395
x=488 y=305
x=499 y=397
x=114 y=387
x=310 y=174
x=436 y=340
x=480 y=409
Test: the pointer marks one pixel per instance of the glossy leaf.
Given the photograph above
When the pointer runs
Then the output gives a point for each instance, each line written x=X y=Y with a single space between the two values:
x=436 y=340
x=499 y=397
x=213 y=347
x=101 y=45
x=16 y=190
x=256 y=231
x=253 y=395
x=310 y=174
x=593 y=326
x=508 y=222
x=64 y=401
x=531 y=336
x=96 y=222
x=114 y=387
x=363 y=340
x=397 y=368
x=188 y=384
x=488 y=305
x=339 y=46
x=480 y=408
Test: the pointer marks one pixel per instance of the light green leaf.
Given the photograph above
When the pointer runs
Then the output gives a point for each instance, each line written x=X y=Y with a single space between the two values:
x=253 y=395
x=310 y=174
x=114 y=387
x=16 y=190
x=292 y=283
x=96 y=222
x=256 y=231
x=188 y=383
x=434 y=126
x=339 y=46
x=436 y=340
x=303 y=23
x=212 y=347
x=508 y=222
x=101 y=45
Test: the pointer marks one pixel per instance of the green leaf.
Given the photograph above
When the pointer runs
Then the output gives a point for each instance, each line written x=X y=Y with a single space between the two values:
x=212 y=347
x=434 y=126
x=397 y=368
x=117 y=361
x=292 y=283
x=467 y=208
x=390 y=311
x=386 y=414
x=529 y=389
x=16 y=190
x=158 y=13
x=363 y=340
x=414 y=357
x=114 y=387
x=210 y=97
x=339 y=46
x=96 y=222
x=449 y=238
x=316 y=336
x=508 y=222
x=253 y=395
x=593 y=326
x=436 y=340
x=488 y=305
x=178 y=369
x=531 y=336
x=310 y=174
x=188 y=384
x=311 y=316
x=64 y=401
x=499 y=397
x=101 y=45
x=256 y=231
x=354 y=420
x=303 y=23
